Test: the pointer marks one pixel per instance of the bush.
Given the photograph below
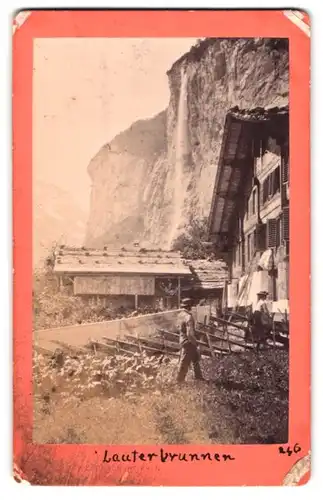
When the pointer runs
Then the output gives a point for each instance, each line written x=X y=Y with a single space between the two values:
x=252 y=389
x=246 y=401
x=54 y=308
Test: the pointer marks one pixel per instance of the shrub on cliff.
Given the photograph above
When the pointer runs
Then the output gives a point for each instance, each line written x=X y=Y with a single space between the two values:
x=191 y=243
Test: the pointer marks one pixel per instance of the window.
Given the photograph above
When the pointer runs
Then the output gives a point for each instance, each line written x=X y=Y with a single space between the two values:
x=246 y=208
x=253 y=202
x=271 y=185
x=237 y=254
x=239 y=227
x=260 y=237
x=249 y=247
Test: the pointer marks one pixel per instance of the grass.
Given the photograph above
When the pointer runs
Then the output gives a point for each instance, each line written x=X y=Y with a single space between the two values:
x=119 y=400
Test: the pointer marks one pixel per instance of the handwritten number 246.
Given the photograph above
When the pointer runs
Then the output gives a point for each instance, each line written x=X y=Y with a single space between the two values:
x=289 y=451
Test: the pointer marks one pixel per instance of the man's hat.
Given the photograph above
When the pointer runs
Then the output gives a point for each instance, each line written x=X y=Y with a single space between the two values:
x=186 y=302
x=263 y=292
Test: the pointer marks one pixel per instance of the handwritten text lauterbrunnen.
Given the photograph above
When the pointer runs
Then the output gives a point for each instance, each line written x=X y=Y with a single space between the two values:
x=164 y=456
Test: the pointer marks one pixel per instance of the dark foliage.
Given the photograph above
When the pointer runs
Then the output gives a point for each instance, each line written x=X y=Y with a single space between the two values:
x=192 y=243
x=252 y=391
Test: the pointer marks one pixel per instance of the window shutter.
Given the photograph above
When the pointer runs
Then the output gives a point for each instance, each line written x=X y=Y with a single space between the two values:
x=265 y=191
x=261 y=193
x=260 y=237
x=254 y=242
x=276 y=180
x=287 y=248
x=278 y=232
x=249 y=247
x=286 y=223
x=256 y=147
x=285 y=170
x=271 y=233
x=285 y=193
x=271 y=184
x=243 y=254
x=253 y=202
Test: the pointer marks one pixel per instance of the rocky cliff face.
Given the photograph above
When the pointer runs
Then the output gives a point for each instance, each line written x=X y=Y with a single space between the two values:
x=151 y=178
x=121 y=173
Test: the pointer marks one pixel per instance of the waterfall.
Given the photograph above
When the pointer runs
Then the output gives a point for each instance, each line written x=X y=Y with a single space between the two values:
x=182 y=154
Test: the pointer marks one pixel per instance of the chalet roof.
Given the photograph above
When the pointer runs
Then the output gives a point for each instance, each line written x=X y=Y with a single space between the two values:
x=79 y=261
x=259 y=114
x=208 y=274
x=241 y=127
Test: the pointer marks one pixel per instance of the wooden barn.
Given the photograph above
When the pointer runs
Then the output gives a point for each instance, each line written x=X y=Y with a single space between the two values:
x=137 y=278
x=131 y=278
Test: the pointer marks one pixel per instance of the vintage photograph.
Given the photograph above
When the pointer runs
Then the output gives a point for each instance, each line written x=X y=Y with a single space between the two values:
x=160 y=240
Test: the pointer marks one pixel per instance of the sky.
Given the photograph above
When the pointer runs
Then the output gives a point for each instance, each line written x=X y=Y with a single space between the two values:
x=85 y=91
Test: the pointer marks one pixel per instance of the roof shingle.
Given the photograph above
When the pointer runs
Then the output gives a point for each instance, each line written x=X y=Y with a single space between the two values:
x=116 y=261
x=208 y=274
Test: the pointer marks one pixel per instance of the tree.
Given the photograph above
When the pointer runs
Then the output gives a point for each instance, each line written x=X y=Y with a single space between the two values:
x=191 y=243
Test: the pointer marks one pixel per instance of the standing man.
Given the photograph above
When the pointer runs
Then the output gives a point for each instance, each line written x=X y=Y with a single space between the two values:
x=188 y=343
x=261 y=319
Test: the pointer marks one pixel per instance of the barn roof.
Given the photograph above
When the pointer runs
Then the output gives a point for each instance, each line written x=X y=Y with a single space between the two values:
x=208 y=274
x=234 y=166
x=76 y=261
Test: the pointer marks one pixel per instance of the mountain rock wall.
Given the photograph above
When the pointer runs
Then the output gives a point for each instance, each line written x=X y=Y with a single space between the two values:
x=153 y=177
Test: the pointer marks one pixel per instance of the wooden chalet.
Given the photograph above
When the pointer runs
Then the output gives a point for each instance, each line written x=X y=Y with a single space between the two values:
x=249 y=217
